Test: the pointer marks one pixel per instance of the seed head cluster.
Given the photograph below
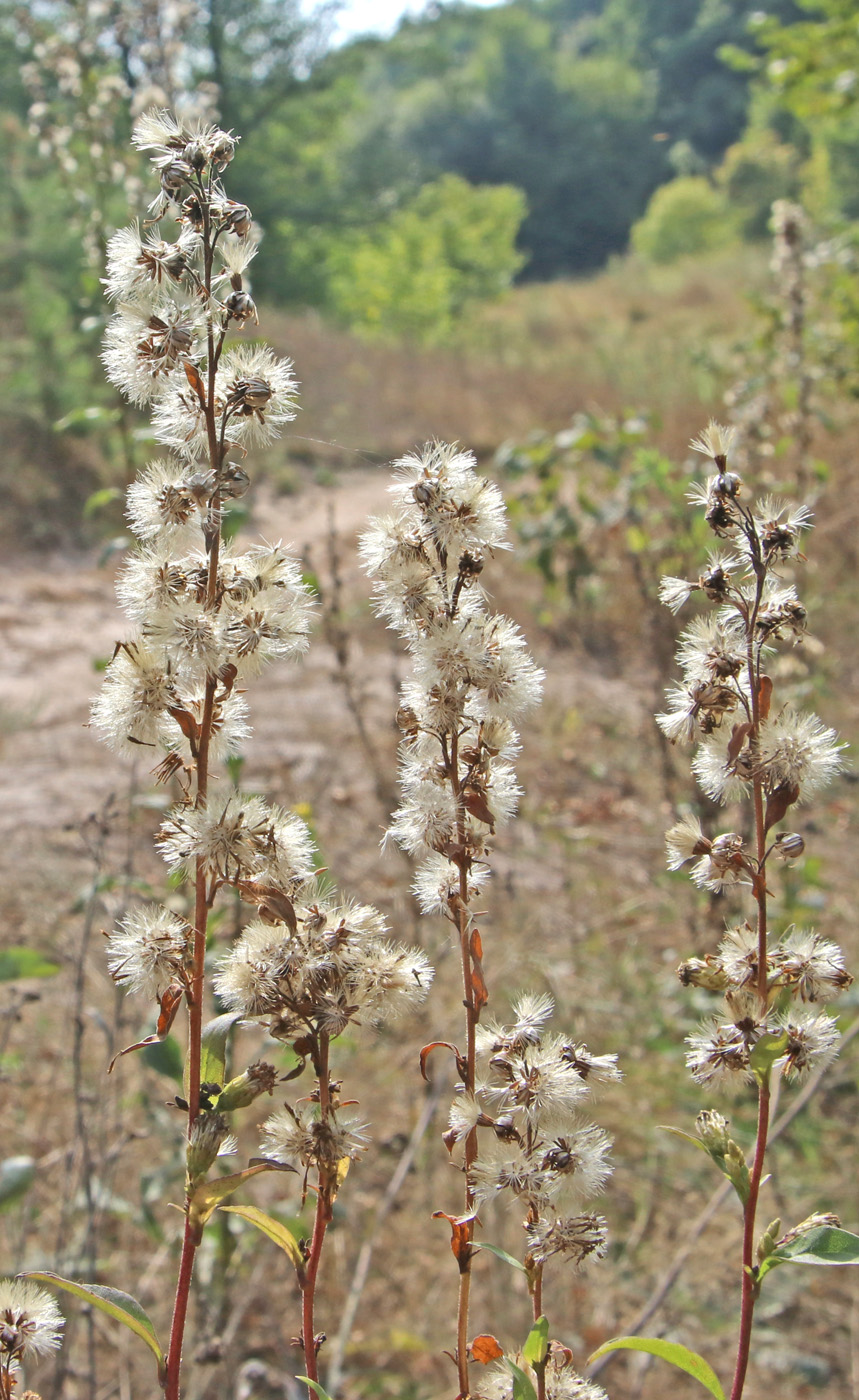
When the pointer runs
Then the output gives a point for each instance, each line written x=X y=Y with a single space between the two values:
x=472 y=675
x=535 y=1144
x=207 y=617
x=765 y=756
x=516 y=1124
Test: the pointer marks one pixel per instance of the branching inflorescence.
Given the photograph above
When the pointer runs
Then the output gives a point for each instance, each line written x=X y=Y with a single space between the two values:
x=207 y=616
x=516 y=1121
x=764 y=758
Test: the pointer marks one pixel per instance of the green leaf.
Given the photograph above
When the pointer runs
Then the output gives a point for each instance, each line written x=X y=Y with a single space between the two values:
x=16 y=1178
x=275 y=1230
x=19 y=961
x=317 y=1389
x=767 y=1050
x=501 y=1254
x=120 y=1306
x=677 y=1355
x=687 y=1137
x=825 y=1244
x=165 y=1057
x=213 y=1051
x=523 y=1388
x=208 y=1195
x=536 y=1346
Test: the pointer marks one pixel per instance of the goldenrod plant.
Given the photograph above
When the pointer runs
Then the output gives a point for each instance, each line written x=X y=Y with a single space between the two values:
x=516 y=1128
x=206 y=616
x=761 y=757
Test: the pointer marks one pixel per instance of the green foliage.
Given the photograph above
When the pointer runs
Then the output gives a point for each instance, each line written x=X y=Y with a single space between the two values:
x=116 y=1304
x=523 y=1387
x=595 y=500
x=500 y=1254
x=812 y=76
x=686 y=216
x=20 y=961
x=755 y=172
x=274 y=1230
x=417 y=275
x=536 y=1345
x=573 y=131
x=673 y=1352
x=825 y=1245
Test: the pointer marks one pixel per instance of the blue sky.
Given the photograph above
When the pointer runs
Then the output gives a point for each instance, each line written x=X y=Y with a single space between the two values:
x=379 y=16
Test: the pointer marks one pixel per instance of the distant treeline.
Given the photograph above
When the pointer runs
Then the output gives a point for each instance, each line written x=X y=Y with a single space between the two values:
x=585 y=106
x=397 y=181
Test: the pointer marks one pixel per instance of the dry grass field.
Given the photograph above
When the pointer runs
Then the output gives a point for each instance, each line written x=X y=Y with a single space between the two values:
x=579 y=905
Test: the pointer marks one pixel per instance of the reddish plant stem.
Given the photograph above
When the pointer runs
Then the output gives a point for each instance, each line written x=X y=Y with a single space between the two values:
x=180 y=1313
x=320 y=1224
x=753 y=671
x=750 y=1288
x=471 y=1018
x=201 y=892
x=537 y=1301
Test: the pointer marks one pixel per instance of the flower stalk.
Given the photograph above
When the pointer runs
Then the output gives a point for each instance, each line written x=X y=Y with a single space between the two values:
x=749 y=752
x=514 y=1125
x=208 y=618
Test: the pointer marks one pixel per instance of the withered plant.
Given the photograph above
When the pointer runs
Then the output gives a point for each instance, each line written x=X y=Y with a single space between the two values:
x=759 y=756
x=208 y=616
x=515 y=1128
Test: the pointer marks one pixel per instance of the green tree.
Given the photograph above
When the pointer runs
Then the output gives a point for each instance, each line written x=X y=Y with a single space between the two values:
x=573 y=132
x=686 y=216
x=418 y=274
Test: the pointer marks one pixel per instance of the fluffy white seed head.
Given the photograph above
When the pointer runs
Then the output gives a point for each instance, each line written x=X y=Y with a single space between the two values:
x=31 y=1324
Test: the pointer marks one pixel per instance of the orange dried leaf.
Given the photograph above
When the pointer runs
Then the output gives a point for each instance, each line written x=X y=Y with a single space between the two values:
x=460 y=1237
x=438 y=1045
x=169 y=1004
x=739 y=734
x=486 y=1348
x=193 y=376
x=778 y=802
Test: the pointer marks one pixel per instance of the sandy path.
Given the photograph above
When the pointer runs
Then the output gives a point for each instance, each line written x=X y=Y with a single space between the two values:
x=59 y=616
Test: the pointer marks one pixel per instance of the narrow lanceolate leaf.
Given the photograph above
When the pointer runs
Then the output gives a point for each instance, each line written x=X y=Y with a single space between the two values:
x=213 y=1051
x=500 y=1254
x=826 y=1244
x=319 y=1391
x=275 y=1231
x=208 y=1195
x=677 y=1355
x=536 y=1346
x=687 y=1137
x=120 y=1306
x=523 y=1388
